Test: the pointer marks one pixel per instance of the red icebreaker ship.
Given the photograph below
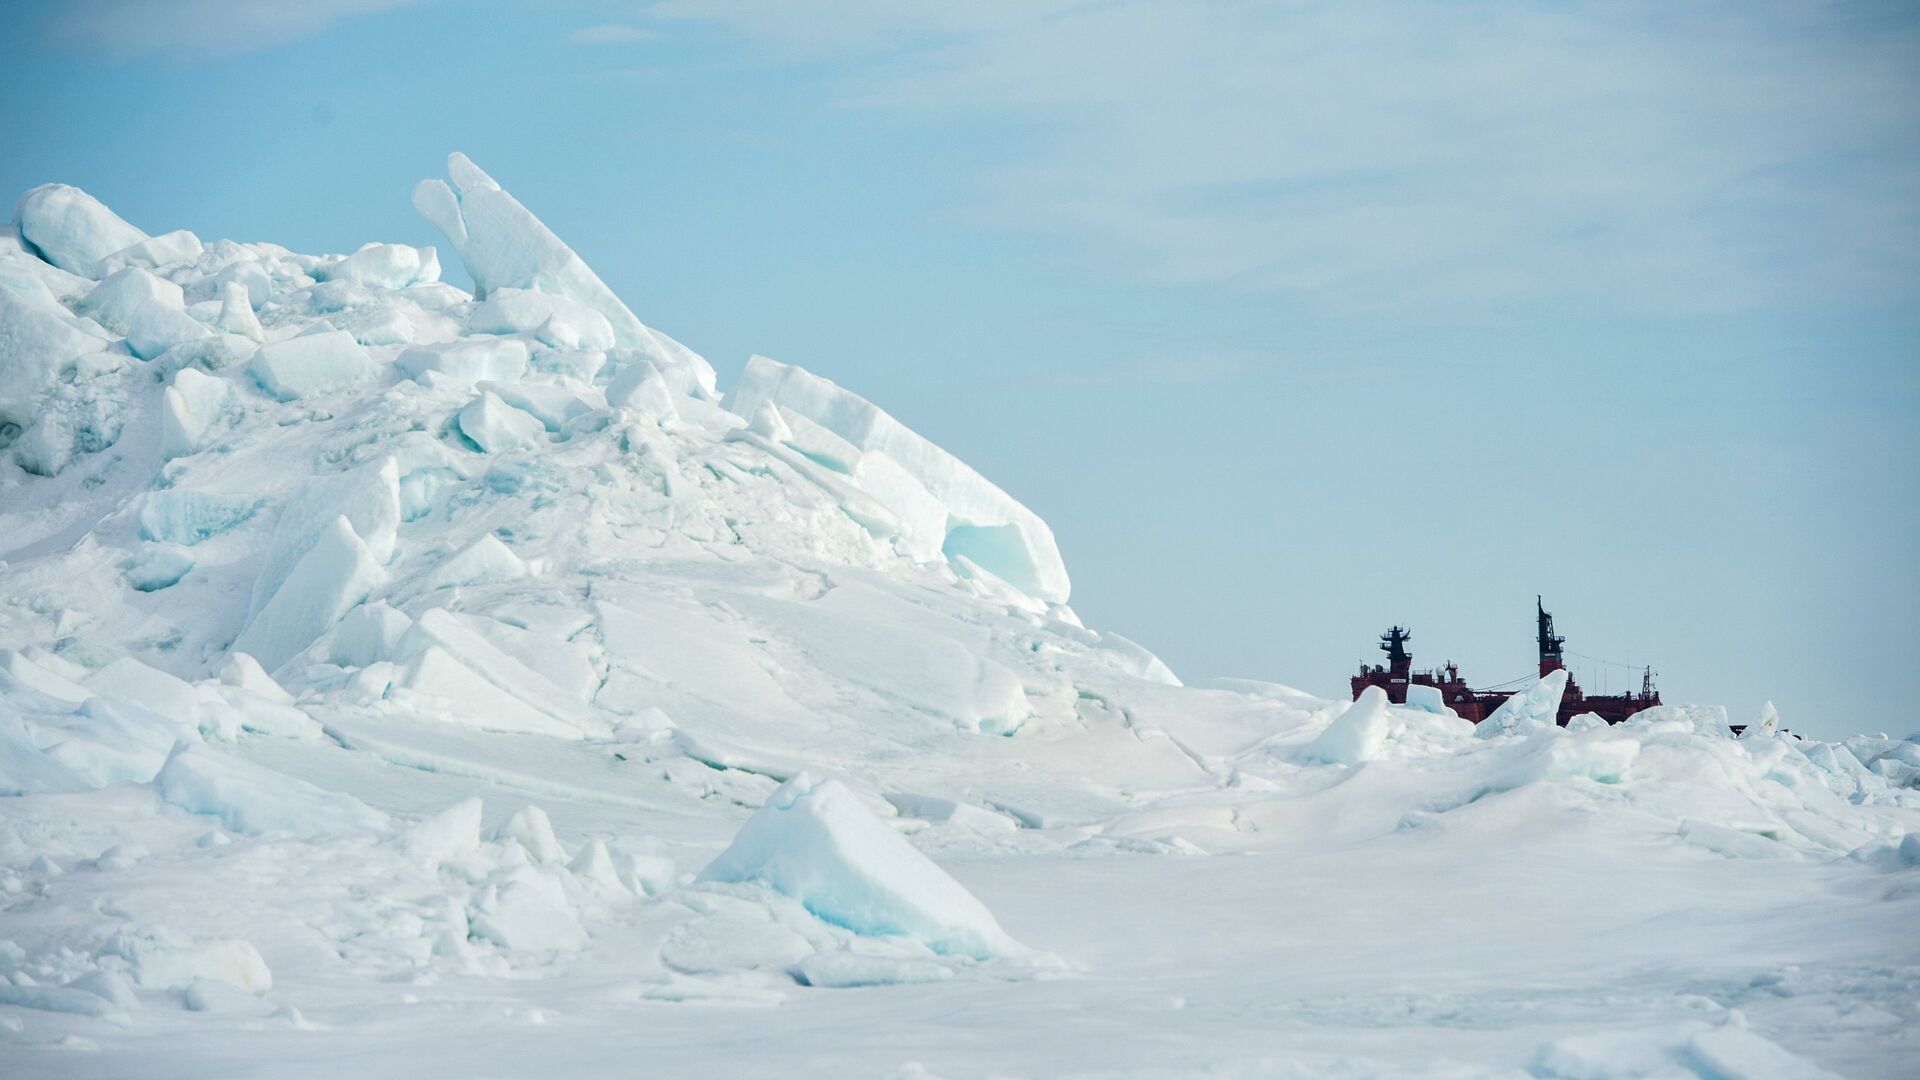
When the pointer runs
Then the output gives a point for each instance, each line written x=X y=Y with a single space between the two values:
x=1476 y=705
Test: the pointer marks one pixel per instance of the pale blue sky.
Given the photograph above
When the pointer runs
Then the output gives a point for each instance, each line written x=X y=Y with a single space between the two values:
x=1294 y=320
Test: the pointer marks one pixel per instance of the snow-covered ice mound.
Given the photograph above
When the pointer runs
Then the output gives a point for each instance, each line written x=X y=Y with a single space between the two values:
x=404 y=666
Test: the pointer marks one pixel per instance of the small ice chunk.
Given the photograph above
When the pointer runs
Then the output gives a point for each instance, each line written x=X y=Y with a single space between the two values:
x=186 y=517
x=468 y=360
x=155 y=568
x=178 y=246
x=113 y=302
x=441 y=629
x=385 y=266
x=1536 y=707
x=218 y=996
x=236 y=313
x=842 y=970
x=817 y=843
x=338 y=572
x=940 y=809
x=252 y=799
x=249 y=275
x=38 y=338
x=645 y=873
x=529 y=911
x=471 y=699
x=1602 y=758
x=452 y=833
x=378 y=324
x=101 y=742
x=641 y=389
x=1356 y=735
x=121 y=857
x=243 y=710
x=1765 y=724
x=39 y=346
x=594 y=868
x=1428 y=699
x=165 y=961
x=496 y=427
x=768 y=423
x=312 y=364
x=556 y=320
x=1699 y=719
x=71 y=229
x=581 y=365
x=368 y=497
x=368 y=634
x=157 y=327
x=189 y=411
x=1585 y=721
x=244 y=672
x=109 y=985
x=152 y=689
x=62 y=999
x=530 y=828
x=1733 y=843
x=553 y=406
x=37 y=677
x=485 y=561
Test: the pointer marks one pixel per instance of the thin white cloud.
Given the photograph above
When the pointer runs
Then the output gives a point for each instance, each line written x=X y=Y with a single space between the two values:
x=1648 y=156
x=612 y=34
x=200 y=27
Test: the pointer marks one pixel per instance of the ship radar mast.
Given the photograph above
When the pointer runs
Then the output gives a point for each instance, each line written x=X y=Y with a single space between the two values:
x=1550 y=642
x=1394 y=642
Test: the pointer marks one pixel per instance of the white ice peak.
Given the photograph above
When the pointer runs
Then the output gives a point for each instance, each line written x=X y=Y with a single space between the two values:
x=505 y=247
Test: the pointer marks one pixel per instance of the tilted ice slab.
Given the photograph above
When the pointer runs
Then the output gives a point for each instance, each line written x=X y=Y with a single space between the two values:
x=505 y=247
x=1355 y=735
x=815 y=842
x=71 y=229
x=944 y=505
x=1535 y=707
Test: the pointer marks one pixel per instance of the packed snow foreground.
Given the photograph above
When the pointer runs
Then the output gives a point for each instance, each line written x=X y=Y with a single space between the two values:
x=403 y=681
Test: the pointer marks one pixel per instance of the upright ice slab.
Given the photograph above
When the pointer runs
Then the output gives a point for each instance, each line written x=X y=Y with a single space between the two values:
x=1766 y=724
x=505 y=247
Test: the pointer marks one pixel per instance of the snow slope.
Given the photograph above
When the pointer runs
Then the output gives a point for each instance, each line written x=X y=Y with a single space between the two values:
x=408 y=682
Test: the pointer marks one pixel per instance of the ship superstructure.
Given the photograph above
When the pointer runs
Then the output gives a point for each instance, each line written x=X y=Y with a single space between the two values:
x=1397 y=674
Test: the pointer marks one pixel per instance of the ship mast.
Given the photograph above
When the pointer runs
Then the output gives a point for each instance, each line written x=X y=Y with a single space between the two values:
x=1550 y=642
x=1393 y=643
